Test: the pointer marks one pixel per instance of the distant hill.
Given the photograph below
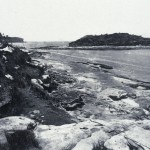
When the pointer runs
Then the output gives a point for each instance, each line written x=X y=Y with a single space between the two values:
x=10 y=39
x=14 y=39
x=116 y=39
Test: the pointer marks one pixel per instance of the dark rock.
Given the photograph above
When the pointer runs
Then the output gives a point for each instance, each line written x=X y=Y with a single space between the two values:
x=97 y=65
x=22 y=140
x=31 y=126
x=148 y=108
x=132 y=95
x=105 y=66
x=4 y=145
x=116 y=98
x=73 y=105
x=49 y=84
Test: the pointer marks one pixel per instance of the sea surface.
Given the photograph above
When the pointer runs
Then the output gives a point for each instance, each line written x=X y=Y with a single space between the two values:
x=134 y=64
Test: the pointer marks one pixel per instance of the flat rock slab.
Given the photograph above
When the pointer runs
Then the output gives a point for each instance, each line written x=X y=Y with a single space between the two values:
x=15 y=123
x=113 y=134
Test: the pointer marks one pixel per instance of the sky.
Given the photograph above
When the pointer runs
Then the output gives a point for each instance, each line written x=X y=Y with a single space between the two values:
x=68 y=20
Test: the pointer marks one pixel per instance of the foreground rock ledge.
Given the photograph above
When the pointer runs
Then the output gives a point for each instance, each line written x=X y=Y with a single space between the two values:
x=88 y=135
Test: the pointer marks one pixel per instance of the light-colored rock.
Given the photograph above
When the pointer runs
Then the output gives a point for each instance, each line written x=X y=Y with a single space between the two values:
x=126 y=81
x=47 y=85
x=2 y=103
x=60 y=138
x=87 y=79
x=91 y=84
x=63 y=137
x=4 y=57
x=87 y=134
x=130 y=102
x=117 y=142
x=57 y=65
x=9 y=76
x=139 y=136
x=141 y=88
x=45 y=76
x=14 y=123
x=7 y=49
x=17 y=67
x=146 y=112
x=143 y=93
x=36 y=111
x=32 y=116
x=84 y=135
x=89 y=143
x=37 y=83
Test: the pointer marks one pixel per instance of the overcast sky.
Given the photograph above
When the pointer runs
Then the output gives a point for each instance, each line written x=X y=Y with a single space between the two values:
x=67 y=20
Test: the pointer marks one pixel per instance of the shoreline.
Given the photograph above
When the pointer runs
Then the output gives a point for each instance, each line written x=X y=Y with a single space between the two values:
x=57 y=47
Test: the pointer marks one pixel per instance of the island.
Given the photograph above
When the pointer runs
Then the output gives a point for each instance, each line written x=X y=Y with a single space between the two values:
x=115 y=39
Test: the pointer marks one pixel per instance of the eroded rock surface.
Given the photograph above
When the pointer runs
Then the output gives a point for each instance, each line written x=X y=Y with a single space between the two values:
x=115 y=134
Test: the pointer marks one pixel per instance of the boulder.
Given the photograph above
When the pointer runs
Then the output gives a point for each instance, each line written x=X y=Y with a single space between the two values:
x=117 y=142
x=15 y=134
x=15 y=123
x=139 y=136
x=63 y=137
x=97 y=138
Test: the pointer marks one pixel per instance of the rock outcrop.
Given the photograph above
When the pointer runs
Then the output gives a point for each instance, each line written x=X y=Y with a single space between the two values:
x=89 y=135
x=23 y=88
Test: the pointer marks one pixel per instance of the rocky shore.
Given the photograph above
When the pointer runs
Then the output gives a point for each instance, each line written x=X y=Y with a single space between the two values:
x=44 y=109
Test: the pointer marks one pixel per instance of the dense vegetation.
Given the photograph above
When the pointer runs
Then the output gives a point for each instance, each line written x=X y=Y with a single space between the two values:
x=116 y=39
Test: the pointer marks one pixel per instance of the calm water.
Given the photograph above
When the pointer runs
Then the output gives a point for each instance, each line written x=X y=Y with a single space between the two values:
x=130 y=63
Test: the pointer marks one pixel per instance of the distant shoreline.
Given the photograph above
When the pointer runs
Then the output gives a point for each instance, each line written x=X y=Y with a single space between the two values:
x=58 y=46
x=95 y=48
